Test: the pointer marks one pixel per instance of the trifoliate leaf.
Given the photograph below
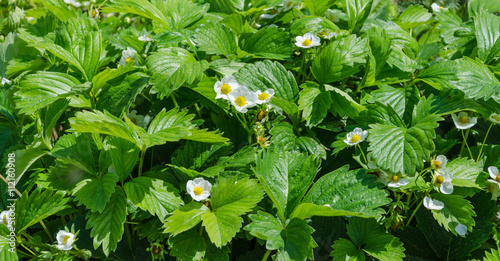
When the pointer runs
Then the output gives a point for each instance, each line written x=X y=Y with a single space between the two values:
x=95 y=192
x=185 y=218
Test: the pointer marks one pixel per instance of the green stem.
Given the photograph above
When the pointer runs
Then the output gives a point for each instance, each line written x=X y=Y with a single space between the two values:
x=362 y=153
x=29 y=250
x=484 y=141
x=266 y=255
x=174 y=100
x=416 y=209
x=129 y=239
x=465 y=141
x=143 y=153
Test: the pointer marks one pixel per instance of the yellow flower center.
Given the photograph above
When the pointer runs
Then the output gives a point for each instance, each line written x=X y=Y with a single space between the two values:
x=261 y=114
x=496 y=117
x=129 y=59
x=355 y=138
x=240 y=101
x=263 y=96
x=497 y=179
x=4 y=220
x=225 y=89
x=94 y=13
x=306 y=42
x=439 y=180
x=262 y=141
x=441 y=7
x=463 y=120
x=65 y=240
x=395 y=178
x=435 y=164
x=198 y=191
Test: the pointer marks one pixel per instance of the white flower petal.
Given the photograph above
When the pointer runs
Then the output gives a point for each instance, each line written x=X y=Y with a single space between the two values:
x=493 y=172
x=60 y=240
x=461 y=229
x=446 y=188
x=442 y=160
x=495 y=118
x=5 y=80
x=433 y=204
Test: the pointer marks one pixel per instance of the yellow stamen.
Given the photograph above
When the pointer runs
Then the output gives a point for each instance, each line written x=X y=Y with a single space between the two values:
x=435 y=164
x=129 y=59
x=65 y=240
x=225 y=89
x=240 y=101
x=306 y=42
x=439 y=180
x=263 y=96
x=262 y=141
x=463 y=120
x=441 y=7
x=497 y=179
x=94 y=13
x=355 y=138
x=198 y=191
x=395 y=178
x=4 y=220
x=496 y=117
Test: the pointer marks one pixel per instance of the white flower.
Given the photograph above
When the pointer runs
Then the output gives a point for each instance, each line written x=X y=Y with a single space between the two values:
x=433 y=204
x=73 y=3
x=225 y=86
x=199 y=189
x=129 y=56
x=307 y=41
x=356 y=136
x=146 y=38
x=330 y=35
x=461 y=229
x=65 y=240
x=263 y=97
x=393 y=181
x=439 y=163
x=5 y=218
x=463 y=121
x=495 y=118
x=443 y=180
x=494 y=175
x=94 y=14
x=86 y=3
x=5 y=80
x=242 y=98
x=30 y=19
x=138 y=120
x=437 y=8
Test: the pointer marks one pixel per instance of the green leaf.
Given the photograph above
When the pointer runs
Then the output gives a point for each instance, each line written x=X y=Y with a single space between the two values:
x=7 y=252
x=344 y=249
x=198 y=155
x=270 y=42
x=344 y=104
x=203 y=135
x=476 y=6
x=306 y=210
x=476 y=80
x=239 y=196
x=456 y=210
x=366 y=234
x=124 y=155
x=221 y=225
x=390 y=96
x=30 y=209
x=282 y=133
x=314 y=104
x=380 y=50
x=268 y=75
x=225 y=67
x=180 y=14
x=51 y=117
x=24 y=159
x=400 y=149
x=318 y=7
x=352 y=191
x=465 y=172
x=139 y=7
x=311 y=24
x=227 y=6
x=493 y=255
x=173 y=67
x=117 y=94
x=107 y=227
x=187 y=246
x=413 y=16
x=153 y=195
x=60 y=9
x=38 y=90
x=298 y=242
x=266 y=227
x=286 y=177
x=95 y=192
x=440 y=75
x=487 y=31
x=340 y=59
x=6 y=53
x=357 y=12
x=215 y=38
x=77 y=149
x=185 y=218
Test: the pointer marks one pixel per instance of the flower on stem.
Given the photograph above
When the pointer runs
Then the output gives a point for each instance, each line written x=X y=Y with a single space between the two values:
x=264 y=97
x=433 y=204
x=199 y=189
x=356 y=136
x=495 y=118
x=494 y=175
x=461 y=229
x=439 y=163
x=443 y=181
x=65 y=240
x=242 y=98
x=307 y=41
x=94 y=14
x=146 y=38
x=392 y=181
x=5 y=218
x=463 y=121
x=225 y=86
x=437 y=8
x=129 y=56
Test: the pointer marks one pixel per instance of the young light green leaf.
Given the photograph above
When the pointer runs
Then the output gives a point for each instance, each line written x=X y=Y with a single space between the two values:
x=153 y=195
x=95 y=192
x=221 y=225
x=352 y=191
x=215 y=38
x=185 y=218
x=107 y=227
x=239 y=196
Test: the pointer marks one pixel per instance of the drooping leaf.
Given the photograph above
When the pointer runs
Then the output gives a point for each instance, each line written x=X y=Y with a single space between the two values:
x=352 y=191
x=95 y=192
x=153 y=195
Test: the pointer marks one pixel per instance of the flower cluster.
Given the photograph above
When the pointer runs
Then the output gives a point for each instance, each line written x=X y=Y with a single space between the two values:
x=442 y=177
x=239 y=95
